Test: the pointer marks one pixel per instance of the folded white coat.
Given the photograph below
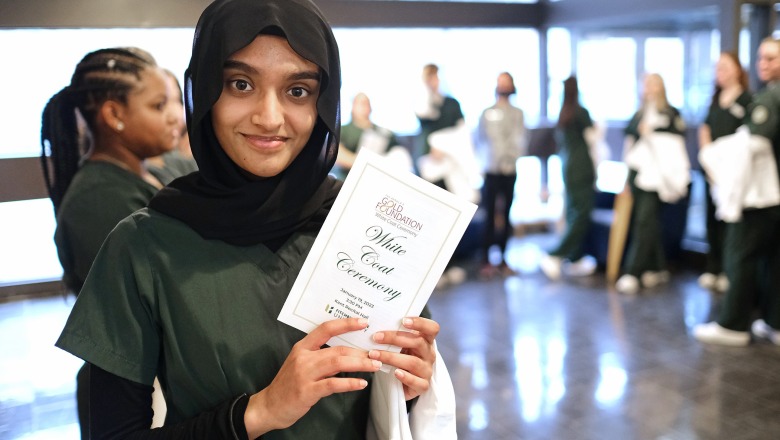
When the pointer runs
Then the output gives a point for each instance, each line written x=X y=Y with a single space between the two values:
x=742 y=172
x=661 y=162
x=432 y=415
x=458 y=167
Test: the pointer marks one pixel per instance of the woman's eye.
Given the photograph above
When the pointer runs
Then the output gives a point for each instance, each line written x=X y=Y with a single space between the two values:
x=299 y=92
x=241 y=85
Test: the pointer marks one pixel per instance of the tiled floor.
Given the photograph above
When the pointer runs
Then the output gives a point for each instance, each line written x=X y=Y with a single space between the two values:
x=530 y=359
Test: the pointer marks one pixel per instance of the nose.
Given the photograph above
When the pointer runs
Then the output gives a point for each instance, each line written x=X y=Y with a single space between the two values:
x=172 y=117
x=268 y=113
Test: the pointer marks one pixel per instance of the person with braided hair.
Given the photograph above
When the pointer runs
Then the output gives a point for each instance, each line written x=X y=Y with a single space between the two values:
x=179 y=161
x=96 y=133
x=95 y=171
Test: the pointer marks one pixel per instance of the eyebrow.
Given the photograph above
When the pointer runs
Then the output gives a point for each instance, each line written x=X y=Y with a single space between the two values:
x=249 y=70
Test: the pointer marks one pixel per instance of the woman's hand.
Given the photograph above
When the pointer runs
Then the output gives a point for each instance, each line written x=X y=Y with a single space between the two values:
x=307 y=376
x=414 y=364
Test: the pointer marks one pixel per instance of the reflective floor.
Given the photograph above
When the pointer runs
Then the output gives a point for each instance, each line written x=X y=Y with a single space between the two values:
x=530 y=359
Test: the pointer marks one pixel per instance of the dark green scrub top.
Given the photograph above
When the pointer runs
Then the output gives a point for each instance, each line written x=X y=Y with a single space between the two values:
x=573 y=150
x=350 y=138
x=449 y=115
x=202 y=316
x=100 y=195
x=725 y=121
x=351 y=133
x=174 y=166
x=675 y=124
x=764 y=117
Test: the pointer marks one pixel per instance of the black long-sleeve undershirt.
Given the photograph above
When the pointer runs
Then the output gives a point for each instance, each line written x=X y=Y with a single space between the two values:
x=122 y=409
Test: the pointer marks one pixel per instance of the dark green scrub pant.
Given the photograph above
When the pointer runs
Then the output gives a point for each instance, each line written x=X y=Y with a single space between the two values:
x=753 y=267
x=645 y=246
x=716 y=236
x=579 y=202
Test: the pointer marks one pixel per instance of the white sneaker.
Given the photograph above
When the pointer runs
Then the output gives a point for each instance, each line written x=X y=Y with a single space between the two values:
x=551 y=266
x=761 y=329
x=652 y=279
x=627 y=284
x=713 y=333
x=708 y=280
x=722 y=284
x=456 y=275
x=583 y=267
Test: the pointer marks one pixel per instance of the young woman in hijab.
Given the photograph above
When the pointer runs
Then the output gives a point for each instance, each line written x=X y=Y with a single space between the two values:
x=190 y=288
x=95 y=171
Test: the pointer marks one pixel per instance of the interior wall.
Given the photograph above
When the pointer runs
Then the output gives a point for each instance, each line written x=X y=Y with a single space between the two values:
x=341 y=13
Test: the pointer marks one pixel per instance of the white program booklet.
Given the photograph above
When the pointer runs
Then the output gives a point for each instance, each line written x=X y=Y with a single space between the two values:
x=379 y=254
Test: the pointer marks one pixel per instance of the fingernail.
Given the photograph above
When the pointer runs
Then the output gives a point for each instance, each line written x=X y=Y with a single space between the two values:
x=377 y=364
x=408 y=322
x=379 y=337
x=373 y=354
x=399 y=373
x=363 y=383
x=363 y=321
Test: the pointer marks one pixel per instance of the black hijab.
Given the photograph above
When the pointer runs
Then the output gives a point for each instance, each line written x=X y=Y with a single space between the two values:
x=219 y=201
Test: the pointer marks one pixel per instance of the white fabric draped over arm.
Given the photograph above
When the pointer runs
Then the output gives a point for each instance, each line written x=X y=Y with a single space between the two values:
x=432 y=415
x=743 y=174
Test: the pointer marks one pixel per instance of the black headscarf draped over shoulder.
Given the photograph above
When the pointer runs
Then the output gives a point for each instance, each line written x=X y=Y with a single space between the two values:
x=219 y=201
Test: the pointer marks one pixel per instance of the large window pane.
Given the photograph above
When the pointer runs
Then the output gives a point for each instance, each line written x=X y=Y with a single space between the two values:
x=558 y=68
x=39 y=62
x=666 y=57
x=27 y=250
x=606 y=70
x=386 y=64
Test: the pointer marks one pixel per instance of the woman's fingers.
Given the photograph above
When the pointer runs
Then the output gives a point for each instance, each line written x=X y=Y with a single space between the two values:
x=306 y=376
x=414 y=364
x=340 y=359
x=333 y=385
x=428 y=328
x=406 y=360
x=413 y=385
x=420 y=334
x=322 y=334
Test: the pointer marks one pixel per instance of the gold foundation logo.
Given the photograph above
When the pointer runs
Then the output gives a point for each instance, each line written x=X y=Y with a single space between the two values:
x=392 y=211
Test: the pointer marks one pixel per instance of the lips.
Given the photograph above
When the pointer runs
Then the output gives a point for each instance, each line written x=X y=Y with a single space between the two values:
x=265 y=142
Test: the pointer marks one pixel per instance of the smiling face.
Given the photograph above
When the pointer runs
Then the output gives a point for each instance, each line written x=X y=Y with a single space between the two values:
x=268 y=106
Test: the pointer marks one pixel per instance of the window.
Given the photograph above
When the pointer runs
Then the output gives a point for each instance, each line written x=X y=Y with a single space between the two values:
x=386 y=64
x=44 y=63
x=607 y=77
x=666 y=57
x=558 y=68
